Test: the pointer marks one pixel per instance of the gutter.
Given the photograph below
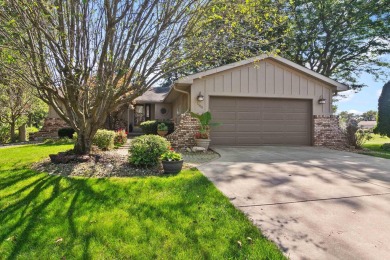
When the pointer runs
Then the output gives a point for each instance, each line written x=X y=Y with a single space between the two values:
x=186 y=93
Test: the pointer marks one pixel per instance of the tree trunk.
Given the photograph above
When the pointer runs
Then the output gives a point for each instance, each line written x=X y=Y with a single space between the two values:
x=83 y=144
x=12 y=132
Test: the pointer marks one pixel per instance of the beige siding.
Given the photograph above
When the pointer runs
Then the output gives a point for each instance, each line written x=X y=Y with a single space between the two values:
x=268 y=79
x=157 y=111
x=179 y=106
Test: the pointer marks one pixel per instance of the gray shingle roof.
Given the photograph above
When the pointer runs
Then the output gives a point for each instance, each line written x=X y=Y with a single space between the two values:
x=153 y=95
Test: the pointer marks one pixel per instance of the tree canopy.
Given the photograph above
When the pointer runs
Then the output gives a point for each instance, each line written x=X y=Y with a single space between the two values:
x=87 y=58
x=340 y=39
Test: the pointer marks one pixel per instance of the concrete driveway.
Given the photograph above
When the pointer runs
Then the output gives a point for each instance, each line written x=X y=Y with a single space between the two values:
x=314 y=203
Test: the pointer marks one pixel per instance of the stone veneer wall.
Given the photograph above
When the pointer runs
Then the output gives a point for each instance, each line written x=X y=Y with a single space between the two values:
x=49 y=129
x=327 y=132
x=185 y=130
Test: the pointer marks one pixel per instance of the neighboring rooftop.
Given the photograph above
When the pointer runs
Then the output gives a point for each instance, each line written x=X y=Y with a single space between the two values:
x=153 y=95
x=367 y=124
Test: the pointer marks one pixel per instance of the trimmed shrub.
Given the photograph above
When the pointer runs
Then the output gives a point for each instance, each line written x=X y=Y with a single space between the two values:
x=120 y=137
x=150 y=127
x=386 y=147
x=4 y=134
x=146 y=150
x=356 y=137
x=104 y=139
x=66 y=132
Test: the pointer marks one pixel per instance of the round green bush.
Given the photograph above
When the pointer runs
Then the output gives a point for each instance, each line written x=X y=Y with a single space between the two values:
x=385 y=147
x=104 y=139
x=146 y=150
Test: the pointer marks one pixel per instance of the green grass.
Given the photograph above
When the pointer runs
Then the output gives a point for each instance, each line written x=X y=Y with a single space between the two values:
x=176 y=216
x=375 y=144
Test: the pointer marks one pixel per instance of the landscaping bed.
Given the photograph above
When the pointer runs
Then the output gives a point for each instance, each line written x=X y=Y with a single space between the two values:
x=116 y=164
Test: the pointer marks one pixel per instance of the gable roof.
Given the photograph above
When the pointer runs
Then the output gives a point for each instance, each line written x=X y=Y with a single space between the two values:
x=190 y=79
x=153 y=95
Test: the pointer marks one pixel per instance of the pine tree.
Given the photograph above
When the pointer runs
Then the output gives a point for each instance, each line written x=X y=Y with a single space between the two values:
x=383 y=125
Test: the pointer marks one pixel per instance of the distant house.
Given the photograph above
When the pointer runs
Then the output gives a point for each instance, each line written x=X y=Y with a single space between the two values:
x=367 y=124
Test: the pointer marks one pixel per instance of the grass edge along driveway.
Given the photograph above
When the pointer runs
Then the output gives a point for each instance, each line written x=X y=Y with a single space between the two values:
x=375 y=144
x=176 y=216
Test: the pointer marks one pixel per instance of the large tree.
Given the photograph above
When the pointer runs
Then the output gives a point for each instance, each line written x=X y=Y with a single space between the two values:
x=340 y=39
x=232 y=30
x=89 y=57
x=383 y=125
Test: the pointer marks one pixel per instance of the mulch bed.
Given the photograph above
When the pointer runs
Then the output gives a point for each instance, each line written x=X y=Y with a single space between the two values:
x=109 y=164
x=113 y=164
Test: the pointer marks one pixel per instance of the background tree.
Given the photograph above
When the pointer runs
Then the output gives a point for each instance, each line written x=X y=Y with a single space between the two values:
x=340 y=39
x=383 y=124
x=232 y=30
x=87 y=58
x=370 y=115
x=16 y=100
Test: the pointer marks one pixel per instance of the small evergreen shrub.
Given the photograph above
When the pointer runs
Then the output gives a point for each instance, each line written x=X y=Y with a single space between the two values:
x=386 y=147
x=66 y=132
x=162 y=127
x=120 y=137
x=146 y=150
x=104 y=139
x=150 y=127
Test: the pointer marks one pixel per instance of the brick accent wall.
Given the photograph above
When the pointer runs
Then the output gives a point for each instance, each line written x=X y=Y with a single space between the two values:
x=184 y=133
x=327 y=132
x=49 y=129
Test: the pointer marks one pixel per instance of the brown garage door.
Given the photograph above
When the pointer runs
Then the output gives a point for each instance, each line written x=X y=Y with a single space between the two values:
x=255 y=121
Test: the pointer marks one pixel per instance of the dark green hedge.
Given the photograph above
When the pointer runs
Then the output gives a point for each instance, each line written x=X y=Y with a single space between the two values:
x=150 y=127
x=66 y=132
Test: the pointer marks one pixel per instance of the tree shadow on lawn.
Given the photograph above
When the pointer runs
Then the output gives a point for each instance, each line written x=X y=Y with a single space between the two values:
x=53 y=216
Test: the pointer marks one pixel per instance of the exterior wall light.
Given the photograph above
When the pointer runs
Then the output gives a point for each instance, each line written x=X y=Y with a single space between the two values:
x=200 y=97
x=322 y=100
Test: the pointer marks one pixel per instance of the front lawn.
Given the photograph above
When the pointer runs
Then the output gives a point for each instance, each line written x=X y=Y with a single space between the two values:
x=178 y=216
x=375 y=144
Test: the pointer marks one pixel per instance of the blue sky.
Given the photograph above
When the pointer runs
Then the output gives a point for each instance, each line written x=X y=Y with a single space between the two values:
x=366 y=99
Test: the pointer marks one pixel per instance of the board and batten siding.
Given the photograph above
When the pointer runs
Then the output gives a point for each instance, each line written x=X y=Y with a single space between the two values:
x=266 y=79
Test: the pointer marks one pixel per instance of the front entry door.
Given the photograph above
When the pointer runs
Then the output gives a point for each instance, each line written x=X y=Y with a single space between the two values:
x=141 y=114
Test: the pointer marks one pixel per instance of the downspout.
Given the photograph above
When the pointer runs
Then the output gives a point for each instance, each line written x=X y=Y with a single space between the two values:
x=186 y=93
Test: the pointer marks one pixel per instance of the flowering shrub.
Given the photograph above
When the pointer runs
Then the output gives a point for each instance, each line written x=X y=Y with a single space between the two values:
x=171 y=156
x=145 y=150
x=120 y=137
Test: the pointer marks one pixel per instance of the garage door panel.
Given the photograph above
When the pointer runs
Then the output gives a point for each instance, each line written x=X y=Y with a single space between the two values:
x=256 y=121
x=224 y=115
x=248 y=128
x=248 y=115
x=225 y=127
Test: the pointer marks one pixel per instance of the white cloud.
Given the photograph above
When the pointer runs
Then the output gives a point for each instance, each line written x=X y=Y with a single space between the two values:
x=347 y=96
x=379 y=92
x=356 y=112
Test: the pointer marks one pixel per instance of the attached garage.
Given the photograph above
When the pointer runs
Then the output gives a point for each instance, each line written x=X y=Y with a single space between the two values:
x=261 y=121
